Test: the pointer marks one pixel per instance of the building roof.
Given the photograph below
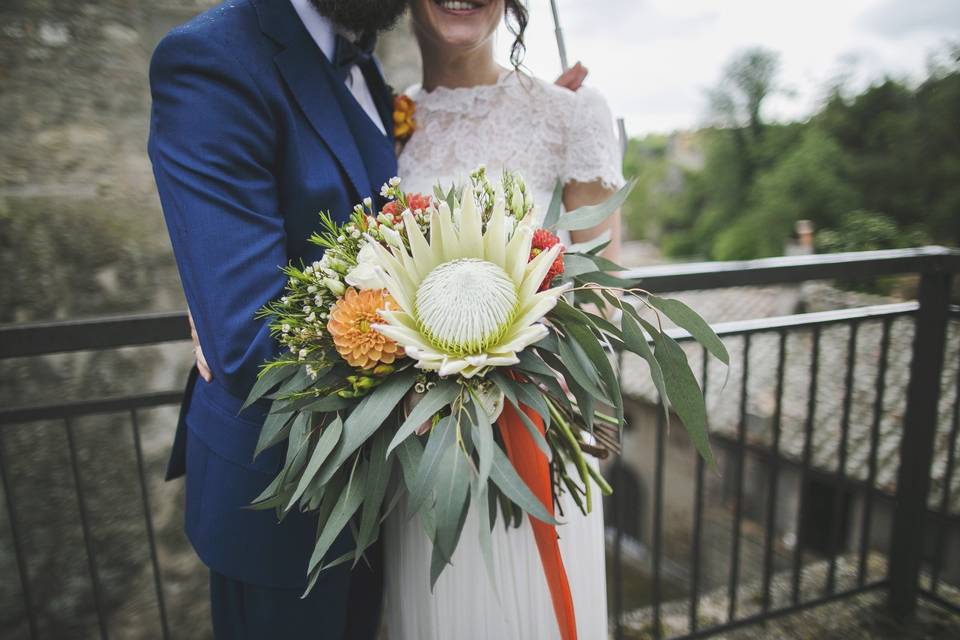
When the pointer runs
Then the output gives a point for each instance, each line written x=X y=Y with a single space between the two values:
x=723 y=403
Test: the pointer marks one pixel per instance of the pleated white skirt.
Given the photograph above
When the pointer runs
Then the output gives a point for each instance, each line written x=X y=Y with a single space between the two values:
x=464 y=605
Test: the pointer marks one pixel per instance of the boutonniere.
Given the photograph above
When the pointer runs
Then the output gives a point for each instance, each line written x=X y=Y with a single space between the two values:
x=404 y=123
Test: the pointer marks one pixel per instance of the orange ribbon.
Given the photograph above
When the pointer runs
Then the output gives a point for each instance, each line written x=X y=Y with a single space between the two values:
x=534 y=468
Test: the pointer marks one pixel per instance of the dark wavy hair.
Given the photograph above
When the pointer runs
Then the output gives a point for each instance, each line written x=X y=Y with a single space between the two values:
x=517 y=17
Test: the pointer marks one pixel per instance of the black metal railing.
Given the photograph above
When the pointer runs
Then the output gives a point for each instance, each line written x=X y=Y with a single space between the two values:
x=907 y=549
x=913 y=522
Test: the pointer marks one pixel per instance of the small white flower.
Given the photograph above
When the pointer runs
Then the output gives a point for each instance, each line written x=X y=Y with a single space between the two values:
x=312 y=289
x=303 y=354
x=286 y=328
x=335 y=286
x=392 y=236
x=368 y=203
x=395 y=181
x=307 y=309
x=364 y=275
x=385 y=190
x=312 y=317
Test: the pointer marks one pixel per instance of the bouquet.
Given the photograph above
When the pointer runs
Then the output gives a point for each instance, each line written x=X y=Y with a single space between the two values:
x=449 y=343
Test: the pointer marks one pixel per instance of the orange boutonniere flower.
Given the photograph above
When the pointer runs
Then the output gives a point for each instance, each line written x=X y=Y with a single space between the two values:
x=404 y=123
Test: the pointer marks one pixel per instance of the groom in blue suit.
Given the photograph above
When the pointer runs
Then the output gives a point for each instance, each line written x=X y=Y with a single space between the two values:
x=265 y=112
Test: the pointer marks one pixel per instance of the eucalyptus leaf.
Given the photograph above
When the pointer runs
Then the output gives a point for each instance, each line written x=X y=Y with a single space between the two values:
x=268 y=379
x=435 y=400
x=684 y=393
x=453 y=483
x=556 y=204
x=347 y=504
x=368 y=416
x=576 y=264
x=686 y=318
x=480 y=504
x=588 y=246
x=442 y=437
x=329 y=438
x=513 y=487
x=275 y=428
x=378 y=474
x=636 y=341
x=483 y=438
x=592 y=215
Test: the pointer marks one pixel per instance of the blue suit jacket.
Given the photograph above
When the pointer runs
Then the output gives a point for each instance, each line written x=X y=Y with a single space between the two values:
x=252 y=134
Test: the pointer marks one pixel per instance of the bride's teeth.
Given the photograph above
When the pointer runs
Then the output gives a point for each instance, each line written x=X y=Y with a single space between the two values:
x=456 y=5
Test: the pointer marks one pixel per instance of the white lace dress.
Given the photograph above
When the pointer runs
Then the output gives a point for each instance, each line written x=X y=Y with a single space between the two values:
x=546 y=133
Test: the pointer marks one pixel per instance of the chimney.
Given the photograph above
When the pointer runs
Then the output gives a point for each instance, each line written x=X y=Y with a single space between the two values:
x=804 y=230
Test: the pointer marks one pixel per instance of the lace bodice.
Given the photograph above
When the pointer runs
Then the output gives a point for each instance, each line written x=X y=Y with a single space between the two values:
x=520 y=123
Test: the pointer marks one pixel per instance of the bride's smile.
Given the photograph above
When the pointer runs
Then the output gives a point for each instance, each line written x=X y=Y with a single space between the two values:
x=456 y=24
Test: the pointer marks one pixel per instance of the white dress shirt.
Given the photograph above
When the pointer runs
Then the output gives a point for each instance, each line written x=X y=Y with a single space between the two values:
x=323 y=33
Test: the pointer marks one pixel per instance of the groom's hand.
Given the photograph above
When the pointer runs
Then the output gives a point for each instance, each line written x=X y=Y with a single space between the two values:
x=202 y=366
x=573 y=77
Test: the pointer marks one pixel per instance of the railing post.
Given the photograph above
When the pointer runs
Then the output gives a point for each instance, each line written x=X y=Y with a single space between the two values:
x=917 y=442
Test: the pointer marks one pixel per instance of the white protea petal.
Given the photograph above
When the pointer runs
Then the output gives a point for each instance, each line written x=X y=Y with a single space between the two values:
x=518 y=253
x=471 y=226
x=495 y=239
x=420 y=251
x=402 y=335
x=451 y=366
x=448 y=234
x=540 y=307
x=394 y=268
x=536 y=271
x=400 y=294
x=524 y=338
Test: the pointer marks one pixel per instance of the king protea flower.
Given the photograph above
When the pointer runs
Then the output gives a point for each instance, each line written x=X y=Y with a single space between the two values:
x=467 y=299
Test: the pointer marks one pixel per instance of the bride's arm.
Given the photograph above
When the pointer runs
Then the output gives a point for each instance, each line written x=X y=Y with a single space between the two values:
x=579 y=194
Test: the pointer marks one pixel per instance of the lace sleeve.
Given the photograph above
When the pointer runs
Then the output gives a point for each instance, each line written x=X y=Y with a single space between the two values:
x=592 y=149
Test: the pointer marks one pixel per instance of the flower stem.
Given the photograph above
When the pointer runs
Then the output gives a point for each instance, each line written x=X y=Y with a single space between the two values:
x=575 y=451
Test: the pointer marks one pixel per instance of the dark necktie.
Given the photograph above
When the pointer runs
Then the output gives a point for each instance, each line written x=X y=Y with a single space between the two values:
x=347 y=53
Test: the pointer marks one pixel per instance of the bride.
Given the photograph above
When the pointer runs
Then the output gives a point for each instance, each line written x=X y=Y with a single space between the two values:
x=470 y=111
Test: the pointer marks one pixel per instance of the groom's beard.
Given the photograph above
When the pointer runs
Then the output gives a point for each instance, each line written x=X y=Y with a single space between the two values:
x=363 y=17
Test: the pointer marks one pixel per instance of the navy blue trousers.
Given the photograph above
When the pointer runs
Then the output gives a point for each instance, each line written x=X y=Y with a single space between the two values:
x=243 y=611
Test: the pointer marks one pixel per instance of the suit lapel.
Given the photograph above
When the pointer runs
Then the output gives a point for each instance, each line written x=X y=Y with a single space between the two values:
x=306 y=72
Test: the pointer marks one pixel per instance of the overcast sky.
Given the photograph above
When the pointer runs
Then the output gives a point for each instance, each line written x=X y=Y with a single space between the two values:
x=653 y=59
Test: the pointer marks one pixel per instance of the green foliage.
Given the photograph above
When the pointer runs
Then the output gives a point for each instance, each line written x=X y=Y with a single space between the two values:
x=893 y=149
x=867 y=231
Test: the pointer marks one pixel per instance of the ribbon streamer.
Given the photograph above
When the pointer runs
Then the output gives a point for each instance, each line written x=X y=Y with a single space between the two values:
x=534 y=469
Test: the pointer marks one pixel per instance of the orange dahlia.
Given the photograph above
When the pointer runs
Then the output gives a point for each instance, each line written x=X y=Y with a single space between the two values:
x=356 y=341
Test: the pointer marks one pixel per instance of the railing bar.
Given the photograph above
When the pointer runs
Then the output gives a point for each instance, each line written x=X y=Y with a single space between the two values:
x=803 y=320
x=774 y=475
x=733 y=584
x=658 y=521
x=148 y=517
x=947 y=482
x=88 y=407
x=618 y=549
x=112 y=332
x=879 y=394
x=805 y=468
x=85 y=526
x=940 y=601
x=697 y=517
x=862 y=264
x=840 y=486
x=759 y=618
x=18 y=550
